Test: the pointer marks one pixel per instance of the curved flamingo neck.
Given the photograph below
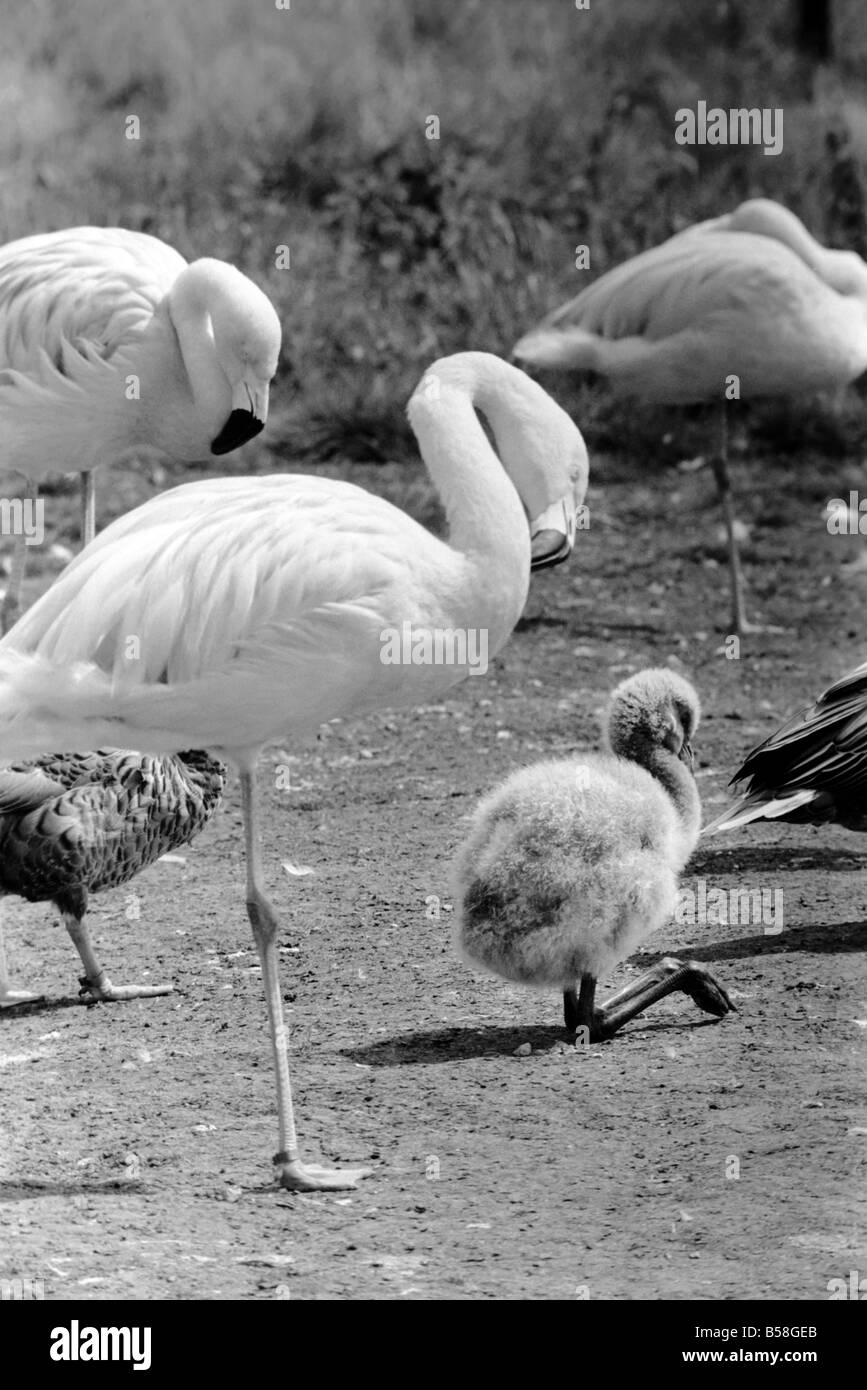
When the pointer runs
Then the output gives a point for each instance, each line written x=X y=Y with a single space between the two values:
x=843 y=271
x=189 y=310
x=487 y=526
x=482 y=505
x=679 y=782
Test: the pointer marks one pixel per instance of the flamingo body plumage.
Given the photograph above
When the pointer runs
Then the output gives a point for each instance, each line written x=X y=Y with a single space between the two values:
x=750 y=294
x=745 y=305
x=254 y=609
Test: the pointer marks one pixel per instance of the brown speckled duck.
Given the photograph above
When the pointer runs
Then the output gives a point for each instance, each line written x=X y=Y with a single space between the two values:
x=72 y=824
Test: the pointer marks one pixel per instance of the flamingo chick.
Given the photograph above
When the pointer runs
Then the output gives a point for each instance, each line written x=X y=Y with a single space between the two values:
x=750 y=296
x=812 y=770
x=570 y=864
x=72 y=824
x=250 y=610
x=112 y=346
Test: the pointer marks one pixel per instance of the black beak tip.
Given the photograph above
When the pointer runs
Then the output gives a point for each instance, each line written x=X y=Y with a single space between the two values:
x=241 y=426
x=549 y=548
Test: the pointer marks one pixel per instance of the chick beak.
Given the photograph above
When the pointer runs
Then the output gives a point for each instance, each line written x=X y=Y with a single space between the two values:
x=686 y=754
x=249 y=413
x=552 y=534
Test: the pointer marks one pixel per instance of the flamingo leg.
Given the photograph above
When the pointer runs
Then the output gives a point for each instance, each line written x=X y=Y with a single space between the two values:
x=88 y=507
x=720 y=465
x=668 y=976
x=740 y=624
x=294 y=1175
x=9 y=996
x=95 y=984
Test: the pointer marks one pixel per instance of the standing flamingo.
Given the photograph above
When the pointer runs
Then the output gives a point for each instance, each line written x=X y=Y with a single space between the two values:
x=72 y=824
x=750 y=295
x=112 y=346
x=230 y=613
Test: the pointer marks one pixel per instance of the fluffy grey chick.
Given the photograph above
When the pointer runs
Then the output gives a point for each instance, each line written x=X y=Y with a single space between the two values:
x=570 y=864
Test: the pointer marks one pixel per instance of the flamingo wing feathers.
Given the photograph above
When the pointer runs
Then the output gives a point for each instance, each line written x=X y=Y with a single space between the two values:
x=697 y=277
x=256 y=604
x=87 y=290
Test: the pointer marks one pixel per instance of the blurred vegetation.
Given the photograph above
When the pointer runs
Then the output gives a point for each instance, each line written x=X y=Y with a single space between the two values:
x=306 y=127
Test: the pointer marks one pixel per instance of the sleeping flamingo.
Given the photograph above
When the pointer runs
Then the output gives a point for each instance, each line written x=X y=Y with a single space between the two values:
x=112 y=346
x=750 y=296
x=230 y=613
x=72 y=824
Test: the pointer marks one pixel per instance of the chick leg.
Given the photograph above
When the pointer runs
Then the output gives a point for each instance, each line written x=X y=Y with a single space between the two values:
x=95 y=984
x=578 y=1010
x=668 y=976
x=293 y=1174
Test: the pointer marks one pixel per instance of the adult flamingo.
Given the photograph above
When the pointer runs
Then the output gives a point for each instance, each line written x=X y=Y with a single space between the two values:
x=230 y=613
x=751 y=296
x=112 y=346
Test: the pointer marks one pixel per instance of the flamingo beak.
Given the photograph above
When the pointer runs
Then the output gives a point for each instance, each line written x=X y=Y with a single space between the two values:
x=552 y=534
x=249 y=413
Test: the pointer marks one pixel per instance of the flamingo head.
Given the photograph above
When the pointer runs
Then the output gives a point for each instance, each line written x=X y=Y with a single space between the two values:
x=247 y=353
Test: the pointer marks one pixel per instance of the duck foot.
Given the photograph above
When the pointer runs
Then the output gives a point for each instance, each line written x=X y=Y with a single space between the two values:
x=102 y=991
x=296 y=1176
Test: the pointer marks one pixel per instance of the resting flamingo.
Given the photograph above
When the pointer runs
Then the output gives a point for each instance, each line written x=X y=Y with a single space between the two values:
x=750 y=295
x=112 y=346
x=230 y=613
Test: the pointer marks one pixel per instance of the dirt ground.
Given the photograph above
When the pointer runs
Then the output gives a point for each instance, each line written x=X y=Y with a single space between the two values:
x=686 y=1158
